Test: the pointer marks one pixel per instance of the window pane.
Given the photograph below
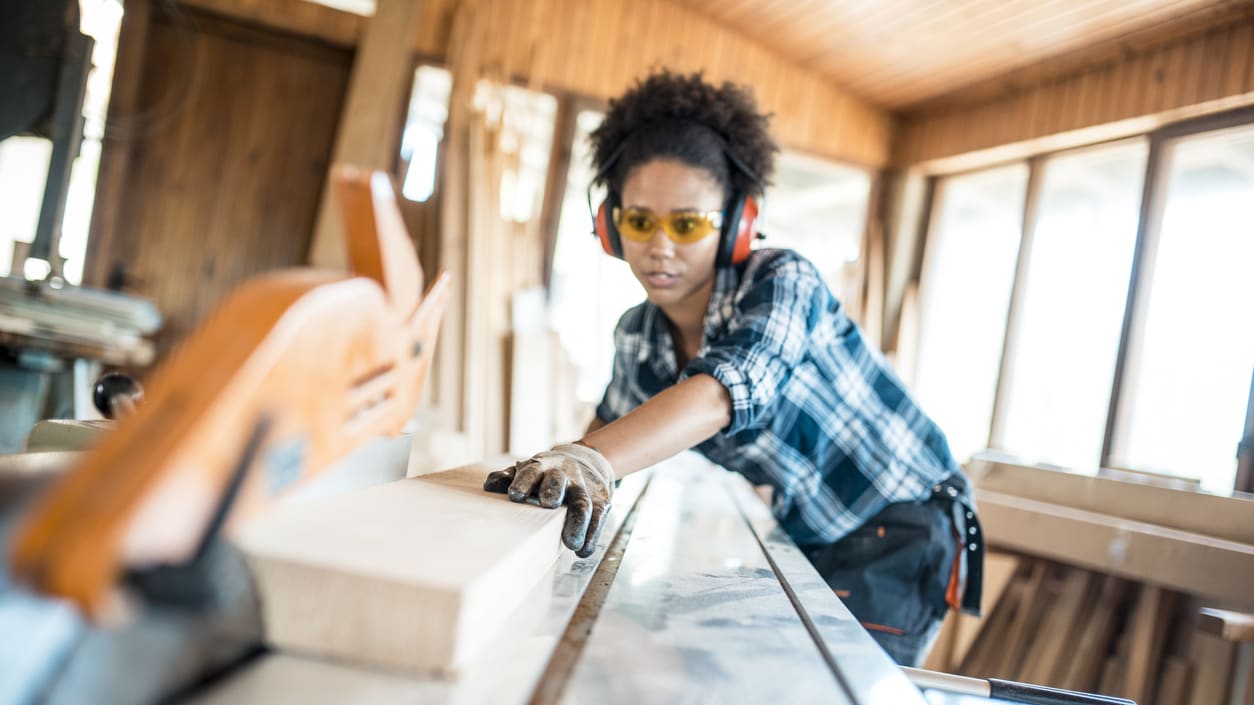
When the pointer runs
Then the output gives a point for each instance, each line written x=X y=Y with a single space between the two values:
x=424 y=128
x=818 y=208
x=1063 y=361
x=590 y=290
x=1184 y=400
x=970 y=268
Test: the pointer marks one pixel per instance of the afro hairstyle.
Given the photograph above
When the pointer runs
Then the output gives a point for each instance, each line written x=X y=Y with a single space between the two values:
x=685 y=118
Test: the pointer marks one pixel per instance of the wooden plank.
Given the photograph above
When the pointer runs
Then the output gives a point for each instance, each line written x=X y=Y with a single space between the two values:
x=1231 y=626
x=1114 y=671
x=1200 y=565
x=1084 y=671
x=373 y=116
x=1060 y=632
x=1174 y=684
x=1146 y=641
x=1214 y=660
x=334 y=574
x=1032 y=607
x=1230 y=518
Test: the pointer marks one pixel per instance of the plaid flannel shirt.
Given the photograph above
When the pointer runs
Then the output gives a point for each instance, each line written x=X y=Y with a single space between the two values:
x=816 y=412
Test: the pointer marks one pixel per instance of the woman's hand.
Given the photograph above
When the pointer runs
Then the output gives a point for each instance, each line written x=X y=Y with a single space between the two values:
x=575 y=475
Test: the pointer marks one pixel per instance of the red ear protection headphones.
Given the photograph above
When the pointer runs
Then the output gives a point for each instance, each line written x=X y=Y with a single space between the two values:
x=740 y=217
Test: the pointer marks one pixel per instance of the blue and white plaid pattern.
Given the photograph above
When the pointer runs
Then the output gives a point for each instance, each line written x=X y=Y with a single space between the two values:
x=816 y=412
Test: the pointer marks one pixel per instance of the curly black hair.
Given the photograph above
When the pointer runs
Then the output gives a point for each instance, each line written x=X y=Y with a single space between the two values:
x=683 y=117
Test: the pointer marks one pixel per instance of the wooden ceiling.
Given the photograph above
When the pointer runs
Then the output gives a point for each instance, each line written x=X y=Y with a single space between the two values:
x=900 y=53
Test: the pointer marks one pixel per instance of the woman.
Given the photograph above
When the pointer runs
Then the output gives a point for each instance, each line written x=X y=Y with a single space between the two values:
x=748 y=357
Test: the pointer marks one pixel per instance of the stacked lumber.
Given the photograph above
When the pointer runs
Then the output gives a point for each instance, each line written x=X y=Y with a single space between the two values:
x=1098 y=585
x=1065 y=627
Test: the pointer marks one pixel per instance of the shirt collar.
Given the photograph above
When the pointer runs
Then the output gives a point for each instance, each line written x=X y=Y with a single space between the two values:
x=660 y=350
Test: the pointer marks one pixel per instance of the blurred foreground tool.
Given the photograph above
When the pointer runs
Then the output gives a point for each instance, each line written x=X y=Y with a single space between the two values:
x=295 y=371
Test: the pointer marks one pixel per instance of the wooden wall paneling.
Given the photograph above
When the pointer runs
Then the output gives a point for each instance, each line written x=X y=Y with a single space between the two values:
x=1237 y=62
x=1210 y=57
x=123 y=121
x=1107 y=95
x=1170 y=84
x=1132 y=91
x=373 y=114
x=217 y=190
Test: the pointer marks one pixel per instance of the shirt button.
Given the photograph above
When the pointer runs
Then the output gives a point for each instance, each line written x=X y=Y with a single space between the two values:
x=970 y=515
x=971 y=547
x=953 y=492
x=971 y=531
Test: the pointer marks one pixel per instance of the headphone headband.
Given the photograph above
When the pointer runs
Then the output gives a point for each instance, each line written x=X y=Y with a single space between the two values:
x=742 y=211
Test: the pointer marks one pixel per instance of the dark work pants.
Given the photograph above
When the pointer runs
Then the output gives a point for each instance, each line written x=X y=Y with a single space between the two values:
x=892 y=573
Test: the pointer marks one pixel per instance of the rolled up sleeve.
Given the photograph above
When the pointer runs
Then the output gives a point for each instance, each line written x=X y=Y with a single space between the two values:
x=767 y=336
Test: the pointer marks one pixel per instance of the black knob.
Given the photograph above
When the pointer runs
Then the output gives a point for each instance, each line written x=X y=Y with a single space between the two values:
x=116 y=394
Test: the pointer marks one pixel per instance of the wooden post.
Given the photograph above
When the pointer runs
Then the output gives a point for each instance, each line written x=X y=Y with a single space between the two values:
x=373 y=115
x=115 y=155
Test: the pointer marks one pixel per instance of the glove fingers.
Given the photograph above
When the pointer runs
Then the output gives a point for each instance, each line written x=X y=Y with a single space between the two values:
x=578 y=514
x=595 y=524
x=526 y=478
x=499 y=481
x=552 y=489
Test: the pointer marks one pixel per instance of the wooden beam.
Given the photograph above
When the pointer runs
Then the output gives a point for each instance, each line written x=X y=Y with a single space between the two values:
x=373 y=116
x=1230 y=518
x=1200 y=565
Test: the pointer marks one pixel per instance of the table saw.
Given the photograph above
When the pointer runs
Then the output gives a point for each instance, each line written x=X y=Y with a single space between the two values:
x=695 y=595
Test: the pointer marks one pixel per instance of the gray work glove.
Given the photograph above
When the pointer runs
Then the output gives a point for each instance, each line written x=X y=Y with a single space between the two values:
x=575 y=475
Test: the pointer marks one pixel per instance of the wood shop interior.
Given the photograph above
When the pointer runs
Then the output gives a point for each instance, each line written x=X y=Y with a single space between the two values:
x=220 y=220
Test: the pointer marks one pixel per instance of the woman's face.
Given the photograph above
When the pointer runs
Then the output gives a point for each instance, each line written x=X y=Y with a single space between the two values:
x=673 y=275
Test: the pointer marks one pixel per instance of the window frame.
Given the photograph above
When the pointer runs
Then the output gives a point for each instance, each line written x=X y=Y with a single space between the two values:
x=1162 y=141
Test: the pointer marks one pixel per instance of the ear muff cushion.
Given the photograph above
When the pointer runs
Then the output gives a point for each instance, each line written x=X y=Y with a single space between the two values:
x=730 y=231
x=746 y=230
x=606 y=231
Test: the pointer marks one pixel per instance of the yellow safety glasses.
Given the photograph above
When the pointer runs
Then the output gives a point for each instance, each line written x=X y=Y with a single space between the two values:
x=683 y=227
